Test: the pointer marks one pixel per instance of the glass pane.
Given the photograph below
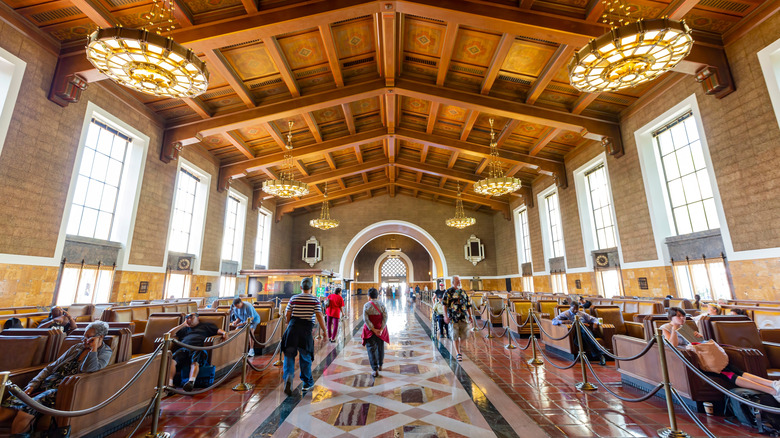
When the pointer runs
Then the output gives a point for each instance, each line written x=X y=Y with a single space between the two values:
x=684 y=287
x=698 y=220
x=679 y=135
x=74 y=220
x=100 y=167
x=698 y=155
x=114 y=173
x=606 y=213
x=599 y=219
x=676 y=194
x=701 y=281
x=670 y=167
x=86 y=162
x=68 y=286
x=610 y=283
x=704 y=184
x=105 y=141
x=109 y=196
x=88 y=221
x=80 y=192
x=611 y=238
x=92 y=136
x=94 y=193
x=685 y=161
x=87 y=285
x=712 y=215
x=103 y=227
x=602 y=239
x=691 y=187
x=690 y=129
x=719 y=280
x=176 y=283
x=665 y=142
x=118 y=148
x=682 y=220
x=104 y=285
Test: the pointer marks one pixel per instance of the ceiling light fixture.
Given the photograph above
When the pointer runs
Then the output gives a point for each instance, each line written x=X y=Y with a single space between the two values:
x=286 y=186
x=496 y=184
x=630 y=53
x=147 y=62
x=324 y=222
x=460 y=221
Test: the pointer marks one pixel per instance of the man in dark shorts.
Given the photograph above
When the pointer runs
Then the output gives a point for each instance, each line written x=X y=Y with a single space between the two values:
x=192 y=332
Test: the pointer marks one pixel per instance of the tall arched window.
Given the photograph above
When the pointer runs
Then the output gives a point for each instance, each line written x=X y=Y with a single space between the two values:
x=393 y=267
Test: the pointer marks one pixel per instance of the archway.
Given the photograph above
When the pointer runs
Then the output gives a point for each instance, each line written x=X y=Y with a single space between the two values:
x=384 y=256
x=346 y=266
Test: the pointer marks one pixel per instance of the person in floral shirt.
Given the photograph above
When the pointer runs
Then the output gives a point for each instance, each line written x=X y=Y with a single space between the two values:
x=457 y=313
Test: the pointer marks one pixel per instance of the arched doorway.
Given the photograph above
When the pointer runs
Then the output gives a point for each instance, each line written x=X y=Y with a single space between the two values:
x=393 y=273
x=347 y=264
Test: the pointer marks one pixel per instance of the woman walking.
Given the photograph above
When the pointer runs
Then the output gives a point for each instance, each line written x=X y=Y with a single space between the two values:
x=333 y=305
x=375 y=331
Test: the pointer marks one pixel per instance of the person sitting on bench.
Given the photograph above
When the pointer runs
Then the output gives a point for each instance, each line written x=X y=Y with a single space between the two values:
x=591 y=348
x=192 y=332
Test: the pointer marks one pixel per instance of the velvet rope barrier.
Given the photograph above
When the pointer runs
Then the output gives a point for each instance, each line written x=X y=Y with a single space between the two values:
x=211 y=347
x=604 y=351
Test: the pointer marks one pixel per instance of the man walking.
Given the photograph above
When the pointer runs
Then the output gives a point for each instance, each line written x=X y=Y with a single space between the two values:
x=457 y=313
x=297 y=339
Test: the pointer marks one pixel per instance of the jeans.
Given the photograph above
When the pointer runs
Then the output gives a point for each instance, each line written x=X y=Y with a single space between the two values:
x=439 y=320
x=591 y=348
x=333 y=327
x=305 y=363
x=376 y=352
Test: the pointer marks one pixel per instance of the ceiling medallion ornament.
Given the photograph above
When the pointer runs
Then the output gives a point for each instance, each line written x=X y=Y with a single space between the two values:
x=631 y=53
x=460 y=221
x=147 y=62
x=324 y=222
x=496 y=184
x=286 y=186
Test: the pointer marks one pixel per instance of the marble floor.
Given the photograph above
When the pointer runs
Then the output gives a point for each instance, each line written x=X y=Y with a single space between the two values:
x=422 y=392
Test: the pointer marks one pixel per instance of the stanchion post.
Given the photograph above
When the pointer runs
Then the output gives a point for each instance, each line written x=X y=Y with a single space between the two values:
x=3 y=381
x=161 y=381
x=672 y=431
x=243 y=386
x=279 y=362
x=509 y=346
x=490 y=322
x=535 y=360
x=584 y=385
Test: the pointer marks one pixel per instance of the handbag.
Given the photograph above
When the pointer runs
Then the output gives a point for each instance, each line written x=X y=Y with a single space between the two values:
x=712 y=357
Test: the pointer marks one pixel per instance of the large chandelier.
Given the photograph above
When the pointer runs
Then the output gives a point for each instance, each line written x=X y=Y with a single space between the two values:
x=496 y=184
x=286 y=186
x=324 y=222
x=631 y=53
x=144 y=60
x=460 y=221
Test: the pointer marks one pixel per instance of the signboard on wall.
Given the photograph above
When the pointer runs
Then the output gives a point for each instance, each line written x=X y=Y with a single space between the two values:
x=643 y=283
x=143 y=287
x=208 y=287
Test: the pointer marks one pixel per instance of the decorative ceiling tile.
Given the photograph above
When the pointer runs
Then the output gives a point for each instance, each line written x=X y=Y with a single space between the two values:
x=328 y=114
x=423 y=38
x=253 y=133
x=354 y=38
x=364 y=106
x=201 y=6
x=527 y=58
x=250 y=62
x=414 y=105
x=568 y=138
x=451 y=112
x=303 y=50
x=475 y=47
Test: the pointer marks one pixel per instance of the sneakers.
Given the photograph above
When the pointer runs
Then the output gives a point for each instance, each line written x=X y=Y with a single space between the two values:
x=189 y=386
x=251 y=352
x=375 y=373
x=308 y=387
x=288 y=387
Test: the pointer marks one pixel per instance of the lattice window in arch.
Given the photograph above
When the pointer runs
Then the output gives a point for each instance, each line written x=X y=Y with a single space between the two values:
x=393 y=268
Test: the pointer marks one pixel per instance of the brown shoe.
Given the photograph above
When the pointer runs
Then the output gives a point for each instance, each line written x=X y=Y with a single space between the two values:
x=376 y=373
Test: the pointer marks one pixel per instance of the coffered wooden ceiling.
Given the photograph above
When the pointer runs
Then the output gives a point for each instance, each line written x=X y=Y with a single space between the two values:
x=388 y=96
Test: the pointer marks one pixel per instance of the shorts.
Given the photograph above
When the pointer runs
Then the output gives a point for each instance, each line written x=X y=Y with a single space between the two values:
x=459 y=330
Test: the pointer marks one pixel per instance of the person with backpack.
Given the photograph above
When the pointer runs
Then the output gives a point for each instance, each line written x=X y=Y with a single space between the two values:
x=333 y=304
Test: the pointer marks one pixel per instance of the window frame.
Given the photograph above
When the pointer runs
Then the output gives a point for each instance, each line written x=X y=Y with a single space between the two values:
x=551 y=227
x=12 y=70
x=237 y=245
x=262 y=255
x=769 y=59
x=592 y=210
x=522 y=237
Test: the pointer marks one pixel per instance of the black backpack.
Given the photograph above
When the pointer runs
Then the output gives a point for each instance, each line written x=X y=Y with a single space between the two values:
x=765 y=422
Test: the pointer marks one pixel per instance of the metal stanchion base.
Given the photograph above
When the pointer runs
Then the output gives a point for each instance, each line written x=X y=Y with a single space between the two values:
x=509 y=347
x=586 y=386
x=158 y=435
x=278 y=363
x=669 y=433
x=535 y=361
x=243 y=387
x=489 y=336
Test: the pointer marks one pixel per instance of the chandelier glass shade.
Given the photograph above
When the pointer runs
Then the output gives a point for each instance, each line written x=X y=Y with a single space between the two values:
x=324 y=222
x=286 y=186
x=496 y=184
x=630 y=55
x=147 y=62
x=460 y=220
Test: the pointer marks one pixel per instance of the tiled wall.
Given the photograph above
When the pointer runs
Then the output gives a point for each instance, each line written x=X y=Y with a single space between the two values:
x=22 y=285
x=660 y=282
x=126 y=286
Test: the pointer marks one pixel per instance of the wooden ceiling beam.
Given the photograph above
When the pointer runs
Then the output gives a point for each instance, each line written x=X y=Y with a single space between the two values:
x=471 y=118
x=498 y=60
x=272 y=131
x=467 y=197
x=287 y=207
x=583 y=101
x=377 y=29
x=239 y=144
x=506 y=132
x=301 y=167
x=546 y=138
x=250 y=6
x=347 y=109
x=446 y=52
x=482 y=165
x=275 y=53
x=196 y=104
x=359 y=154
x=389 y=43
x=594 y=10
x=182 y=14
x=364 y=175
x=453 y=158
x=432 y=114
x=439 y=171
x=677 y=9
x=312 y=125
x=341 y=183
x=526 y=4
x=346 y=171
x=331 y=54
x=218 y=62
x=329 y=160
x=424 y=153
x=391 y=148
x=561 y=56
x=95 y=12
x=391 y=111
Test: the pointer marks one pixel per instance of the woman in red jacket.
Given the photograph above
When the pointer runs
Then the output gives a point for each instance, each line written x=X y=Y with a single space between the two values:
x=333 y=312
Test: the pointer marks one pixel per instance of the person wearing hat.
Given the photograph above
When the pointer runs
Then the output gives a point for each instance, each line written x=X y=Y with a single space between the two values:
x=298 y=339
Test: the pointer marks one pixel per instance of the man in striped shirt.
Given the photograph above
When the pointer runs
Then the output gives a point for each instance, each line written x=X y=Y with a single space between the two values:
x=298 y=339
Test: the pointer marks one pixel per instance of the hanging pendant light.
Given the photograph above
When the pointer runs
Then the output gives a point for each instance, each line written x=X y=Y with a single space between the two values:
x=324 y=222
x=631 y=53
x=286 y=186
x=496 y=184
x=460 y=220
x=145 y=61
